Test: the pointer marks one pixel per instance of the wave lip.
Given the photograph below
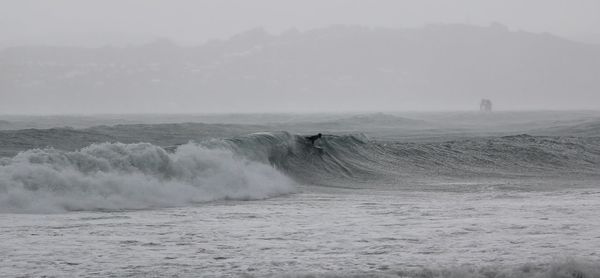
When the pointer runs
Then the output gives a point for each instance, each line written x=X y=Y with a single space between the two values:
x=132 y=176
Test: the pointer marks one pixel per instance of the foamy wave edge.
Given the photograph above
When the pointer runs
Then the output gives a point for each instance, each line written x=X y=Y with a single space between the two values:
x=111 y=176
x=565 y=268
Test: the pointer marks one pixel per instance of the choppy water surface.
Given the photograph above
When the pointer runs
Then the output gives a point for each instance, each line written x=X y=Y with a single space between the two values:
x=271 y=203
x=338 y=233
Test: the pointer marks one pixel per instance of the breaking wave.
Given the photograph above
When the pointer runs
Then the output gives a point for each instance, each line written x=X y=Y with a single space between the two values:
x=262 y=165
x=340 y=159
x=131 y=176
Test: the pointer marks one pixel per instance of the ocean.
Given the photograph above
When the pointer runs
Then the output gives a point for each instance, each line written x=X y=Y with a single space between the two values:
x=380 y=195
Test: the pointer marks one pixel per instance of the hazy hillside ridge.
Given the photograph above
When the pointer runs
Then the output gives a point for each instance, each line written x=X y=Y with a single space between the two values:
x=340 y=68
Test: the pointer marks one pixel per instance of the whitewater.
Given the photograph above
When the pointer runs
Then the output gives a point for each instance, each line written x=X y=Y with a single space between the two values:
x=265 y=202
x=131 y=176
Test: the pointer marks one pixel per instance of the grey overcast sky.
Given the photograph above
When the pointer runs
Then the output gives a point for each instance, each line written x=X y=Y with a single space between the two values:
x=100 y=22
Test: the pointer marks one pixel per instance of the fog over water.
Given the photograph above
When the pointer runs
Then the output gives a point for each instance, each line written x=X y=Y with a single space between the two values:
x=106 y=22
x=296 y=56
x=313 y=138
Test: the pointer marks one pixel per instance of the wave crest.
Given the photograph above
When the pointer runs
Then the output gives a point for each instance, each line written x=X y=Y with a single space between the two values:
x=132 y=176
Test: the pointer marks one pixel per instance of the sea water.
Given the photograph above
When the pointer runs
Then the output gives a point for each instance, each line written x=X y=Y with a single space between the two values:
x=269 y=204
x=333 y=233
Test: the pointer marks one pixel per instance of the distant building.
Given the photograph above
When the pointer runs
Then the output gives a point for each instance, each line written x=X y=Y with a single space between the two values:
x=485 y=105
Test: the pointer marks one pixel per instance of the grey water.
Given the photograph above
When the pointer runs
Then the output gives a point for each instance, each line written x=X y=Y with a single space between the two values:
x=398 y=195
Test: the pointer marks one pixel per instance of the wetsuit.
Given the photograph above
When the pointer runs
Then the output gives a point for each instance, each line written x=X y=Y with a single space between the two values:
x=313 y=138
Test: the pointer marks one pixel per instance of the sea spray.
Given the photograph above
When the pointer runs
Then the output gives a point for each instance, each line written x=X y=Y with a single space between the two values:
x=256 y=166
x=132 y=176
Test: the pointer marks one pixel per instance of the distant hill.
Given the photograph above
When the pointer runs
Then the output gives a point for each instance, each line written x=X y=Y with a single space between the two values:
x=343 y=68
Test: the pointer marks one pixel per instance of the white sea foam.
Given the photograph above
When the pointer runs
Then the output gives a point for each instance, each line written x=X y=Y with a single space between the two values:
x=131 y=176
x=567 y=268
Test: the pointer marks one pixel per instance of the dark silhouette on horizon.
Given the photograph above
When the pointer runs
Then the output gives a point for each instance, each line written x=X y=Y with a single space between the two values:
x=485 y=105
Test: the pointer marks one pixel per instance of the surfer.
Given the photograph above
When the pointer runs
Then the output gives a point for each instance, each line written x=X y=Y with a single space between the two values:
x=313 y=138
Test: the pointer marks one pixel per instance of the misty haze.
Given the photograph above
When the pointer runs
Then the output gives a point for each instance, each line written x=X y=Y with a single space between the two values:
x=268 y=138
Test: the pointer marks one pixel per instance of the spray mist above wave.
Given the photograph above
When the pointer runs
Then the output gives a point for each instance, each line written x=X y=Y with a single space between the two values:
x=131 y=176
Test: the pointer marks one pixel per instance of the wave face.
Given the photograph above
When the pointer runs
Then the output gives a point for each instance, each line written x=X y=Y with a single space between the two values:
x=509 y=156
x=354 y=158
x=332 y=157
x=131 y=176
x=256 y=166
